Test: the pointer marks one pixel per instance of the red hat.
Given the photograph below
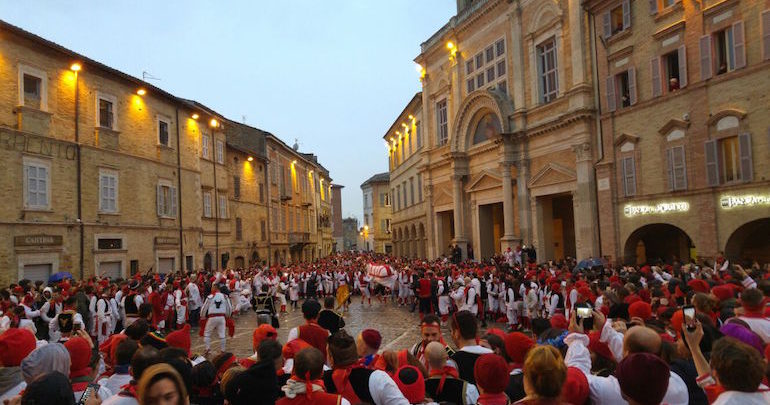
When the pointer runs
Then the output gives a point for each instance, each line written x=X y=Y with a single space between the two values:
x=585 y=292
x=411 y=383
x=263 y=332
x=559 y=321
x=15 y=345
x=597 y=346
x=640 y=309
x=497 y=332
x=575 y=389
x=80 y=355
x=646 y=367
x=180 y=338
x=517 y=345
x=372 y=338
x=293 y=347
x=491 y=373
x=723 y=292
x=110 y=347
x=18 y=290
x=699 y=285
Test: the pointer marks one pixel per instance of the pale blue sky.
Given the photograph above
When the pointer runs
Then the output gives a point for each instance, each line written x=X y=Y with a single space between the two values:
x=334 y=74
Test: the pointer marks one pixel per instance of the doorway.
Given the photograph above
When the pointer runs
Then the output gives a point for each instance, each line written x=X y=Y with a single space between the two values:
x=445 y=223
x=490 y=229
x=556 y=227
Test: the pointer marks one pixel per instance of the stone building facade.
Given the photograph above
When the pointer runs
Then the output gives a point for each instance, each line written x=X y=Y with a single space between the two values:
x=300 y=204
x=684 y=167
x=405 y=143
x=337 y=230
x=107 y=174
x=509 y=127
x=376 y=230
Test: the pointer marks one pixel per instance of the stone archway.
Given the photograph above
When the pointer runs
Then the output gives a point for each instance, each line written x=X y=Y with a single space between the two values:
x=422 y=242
x=475 y=108
x=750 y=242
x=658 y=241
x=413 y=242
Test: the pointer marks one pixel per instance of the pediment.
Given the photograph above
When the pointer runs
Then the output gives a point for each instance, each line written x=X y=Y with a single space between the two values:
x=484 y=181
x=443 y=194
x=552 y=173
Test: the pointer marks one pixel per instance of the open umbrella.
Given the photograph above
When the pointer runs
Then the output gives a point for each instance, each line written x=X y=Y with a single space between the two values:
x=591 y=263
x=56 y=277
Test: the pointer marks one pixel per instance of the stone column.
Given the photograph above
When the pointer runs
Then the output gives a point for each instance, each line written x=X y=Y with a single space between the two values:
x=517 y=54
x=509 y=238
x=576 y=42
x=457 y=196
x=584 y=204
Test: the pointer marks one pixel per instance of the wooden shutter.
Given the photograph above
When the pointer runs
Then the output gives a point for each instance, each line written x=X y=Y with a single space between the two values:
x=607 y=24
x=653 y=6
x=766 y=35
x=739 y=46
x=670 y=168
x=611 y=94
x=172 y=193
x=632 y=85
x=159 y=199
x=712 y=165
x=629 y=176
x=705 y=57
x=626 y=14
x=655 y=69
x=678 y=168
x=682 y=54
x=744 y=149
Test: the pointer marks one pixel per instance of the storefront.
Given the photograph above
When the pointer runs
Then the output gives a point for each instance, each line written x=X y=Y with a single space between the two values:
x=38 y=256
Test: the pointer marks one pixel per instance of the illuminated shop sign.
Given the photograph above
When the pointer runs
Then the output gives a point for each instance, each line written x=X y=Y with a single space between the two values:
x=662 y=208
x=749 y=200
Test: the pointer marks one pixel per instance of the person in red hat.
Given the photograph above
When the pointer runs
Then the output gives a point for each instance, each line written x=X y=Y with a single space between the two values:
x=305 y=385
x=180 y=339
x=640 y=310
x=491 y=375
x=368 y=343
x=752 y=312
x=410 y=382
x=15 y=345
x=517 y=345
x=81 y=372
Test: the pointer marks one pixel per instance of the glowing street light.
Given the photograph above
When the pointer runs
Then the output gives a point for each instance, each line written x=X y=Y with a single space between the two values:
x=141 y=92
x=250 y=159
x=195 y=116
x=75 y=67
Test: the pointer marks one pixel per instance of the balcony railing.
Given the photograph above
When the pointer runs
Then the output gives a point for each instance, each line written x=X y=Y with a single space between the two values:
x=299 y=237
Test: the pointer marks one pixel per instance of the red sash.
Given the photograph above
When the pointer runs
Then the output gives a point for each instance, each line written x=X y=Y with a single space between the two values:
x=340 y=377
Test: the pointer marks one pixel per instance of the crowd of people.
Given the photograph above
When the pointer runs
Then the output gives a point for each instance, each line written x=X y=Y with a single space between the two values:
x=517 y=331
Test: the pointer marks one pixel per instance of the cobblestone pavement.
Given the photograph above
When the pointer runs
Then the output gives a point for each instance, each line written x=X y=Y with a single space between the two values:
x=398 y=326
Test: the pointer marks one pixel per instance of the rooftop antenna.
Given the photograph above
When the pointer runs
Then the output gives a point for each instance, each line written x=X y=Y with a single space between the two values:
x=243 y=119
x=296 y=144
x=147 y=76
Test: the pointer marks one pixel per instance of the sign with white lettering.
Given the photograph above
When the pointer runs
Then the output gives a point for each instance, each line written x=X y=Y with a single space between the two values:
x=38 y=240
x=661 y=208
x=749 y=200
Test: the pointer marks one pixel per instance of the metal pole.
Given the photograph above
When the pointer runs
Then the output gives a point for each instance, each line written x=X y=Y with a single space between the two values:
x=79 y=176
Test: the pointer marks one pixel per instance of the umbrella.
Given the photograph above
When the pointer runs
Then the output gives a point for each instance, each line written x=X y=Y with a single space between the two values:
x=55 y=278
x=590 y=263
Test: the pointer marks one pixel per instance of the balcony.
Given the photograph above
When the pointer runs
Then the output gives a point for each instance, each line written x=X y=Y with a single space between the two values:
x=297 y=238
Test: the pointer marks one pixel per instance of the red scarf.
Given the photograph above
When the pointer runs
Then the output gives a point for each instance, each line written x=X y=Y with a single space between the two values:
x=493 y=399
x=340 y=376
x=128 y=390
x=444 y=372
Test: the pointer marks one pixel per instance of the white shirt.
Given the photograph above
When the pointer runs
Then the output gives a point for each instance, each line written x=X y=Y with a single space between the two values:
x=114 y=382
x=743 y=398
x=384 y=390
x=760 y=326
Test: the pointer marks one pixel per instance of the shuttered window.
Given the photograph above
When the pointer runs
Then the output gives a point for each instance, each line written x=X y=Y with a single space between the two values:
x=677 y=173
x=629 y=176
x=166 y=199
x=766 y=35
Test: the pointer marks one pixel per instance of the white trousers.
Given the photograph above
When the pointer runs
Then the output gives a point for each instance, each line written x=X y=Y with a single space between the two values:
x=215 y=324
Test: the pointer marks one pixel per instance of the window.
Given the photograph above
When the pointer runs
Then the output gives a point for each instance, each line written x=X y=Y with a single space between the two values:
x=411 y=190
x=109 y=243
x=262 y=230
x=629 y=176
x=37 y=185
x=207 y=205
x=487 y=128
x=469 y=67
x=222 y=205
x=729 y=160
x=723 y=51
x=205 y=145
x=387 y=199
x=398 y=197
x=419 y=187
x=220 y=152
x=621 y=90
x=238 y=229
x=108 y=191
x=441 y=118
x=677 y=173
x=106 y=111
x=617 y=19
x=403 y=187
x=33 y=88
x=387 y=225
x=237 y=187
x=418 y=133
x=261 y=192
x=163 y=125
x=489 y=66
x=547 y=71
x=766 y=35
x=656 y=5
x=166 y=199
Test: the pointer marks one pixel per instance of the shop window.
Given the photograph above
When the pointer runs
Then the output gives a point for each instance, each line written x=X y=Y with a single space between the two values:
x=728 y=160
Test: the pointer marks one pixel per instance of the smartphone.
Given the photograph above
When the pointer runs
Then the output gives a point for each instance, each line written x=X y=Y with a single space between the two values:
x=688 y=312
x=90 y=391
x=585 y=312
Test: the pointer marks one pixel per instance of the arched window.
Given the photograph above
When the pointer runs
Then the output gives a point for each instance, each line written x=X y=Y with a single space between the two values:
x=487 y=128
